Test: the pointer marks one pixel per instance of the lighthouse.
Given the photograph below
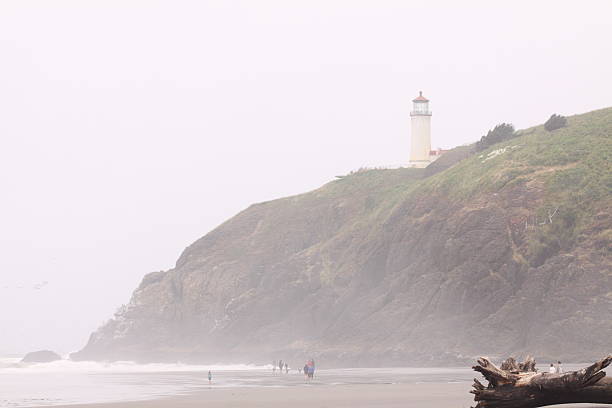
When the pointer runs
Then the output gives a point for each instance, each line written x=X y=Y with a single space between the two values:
x=420 y=140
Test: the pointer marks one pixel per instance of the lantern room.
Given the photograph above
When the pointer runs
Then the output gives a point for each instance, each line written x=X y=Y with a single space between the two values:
x=420 y=106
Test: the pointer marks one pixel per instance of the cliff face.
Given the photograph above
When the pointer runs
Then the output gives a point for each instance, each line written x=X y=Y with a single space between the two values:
x=504 y=252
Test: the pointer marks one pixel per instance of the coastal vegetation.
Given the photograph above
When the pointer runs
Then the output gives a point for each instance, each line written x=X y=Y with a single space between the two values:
x=555 y=122
x=500 y=133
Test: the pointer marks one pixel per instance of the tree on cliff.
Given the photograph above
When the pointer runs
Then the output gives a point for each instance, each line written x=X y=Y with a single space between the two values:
x=501 y=132
x=555 y=122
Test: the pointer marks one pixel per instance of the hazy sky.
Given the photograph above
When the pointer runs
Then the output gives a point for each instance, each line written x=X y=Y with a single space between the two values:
x=129 y=129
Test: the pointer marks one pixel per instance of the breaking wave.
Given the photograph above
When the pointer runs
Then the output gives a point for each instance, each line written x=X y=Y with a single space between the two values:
x=8 y=365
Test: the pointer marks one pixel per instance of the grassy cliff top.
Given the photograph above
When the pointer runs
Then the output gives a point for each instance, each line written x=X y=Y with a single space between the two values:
x=569 y=168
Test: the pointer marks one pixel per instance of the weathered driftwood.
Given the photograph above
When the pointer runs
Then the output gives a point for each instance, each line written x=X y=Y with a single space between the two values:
x=519 y=385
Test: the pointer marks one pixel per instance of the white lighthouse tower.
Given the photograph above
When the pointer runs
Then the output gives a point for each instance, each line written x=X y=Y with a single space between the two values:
x=420 y=142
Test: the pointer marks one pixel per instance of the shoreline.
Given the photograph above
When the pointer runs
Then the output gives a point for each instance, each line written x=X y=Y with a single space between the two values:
x=129 y=387
x=421 y=395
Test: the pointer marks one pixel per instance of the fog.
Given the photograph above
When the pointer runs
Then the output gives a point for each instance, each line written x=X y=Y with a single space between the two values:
x=129 y=129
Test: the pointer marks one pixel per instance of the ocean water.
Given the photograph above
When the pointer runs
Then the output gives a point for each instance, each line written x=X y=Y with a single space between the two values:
x=68 y=382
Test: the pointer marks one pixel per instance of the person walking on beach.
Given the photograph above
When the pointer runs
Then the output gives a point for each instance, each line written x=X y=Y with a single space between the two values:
x=310 y=367
x=559 y=368
x=306 y=370
x=552 y=368
x=280 y=366
x=286 y=368
x=209 y=377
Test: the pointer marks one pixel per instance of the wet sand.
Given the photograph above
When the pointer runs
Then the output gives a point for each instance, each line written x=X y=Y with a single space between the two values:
x=425 y=395
x=338 y=388
x=428 y=395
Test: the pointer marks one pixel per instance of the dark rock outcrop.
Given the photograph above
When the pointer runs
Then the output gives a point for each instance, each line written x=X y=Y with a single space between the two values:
x=41 y=356
x=399 y=267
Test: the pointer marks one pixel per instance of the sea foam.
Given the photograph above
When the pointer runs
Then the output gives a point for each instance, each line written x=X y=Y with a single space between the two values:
x=14 y=365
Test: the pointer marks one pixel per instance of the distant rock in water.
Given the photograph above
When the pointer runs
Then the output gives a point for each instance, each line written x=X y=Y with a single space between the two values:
x=501 y=252
x=41 y=356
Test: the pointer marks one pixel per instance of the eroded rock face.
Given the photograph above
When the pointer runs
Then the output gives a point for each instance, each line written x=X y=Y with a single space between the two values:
x=41 y=356
x=378 y=268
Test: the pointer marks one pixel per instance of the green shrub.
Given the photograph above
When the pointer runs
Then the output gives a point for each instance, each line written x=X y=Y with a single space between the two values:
x=549 y=238
x=500 y=133
x=555 y=122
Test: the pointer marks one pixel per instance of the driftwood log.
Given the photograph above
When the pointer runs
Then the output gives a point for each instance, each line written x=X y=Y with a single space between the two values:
x=519 y=385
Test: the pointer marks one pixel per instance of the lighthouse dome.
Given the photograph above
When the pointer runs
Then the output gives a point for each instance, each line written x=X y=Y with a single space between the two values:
x=420 y=98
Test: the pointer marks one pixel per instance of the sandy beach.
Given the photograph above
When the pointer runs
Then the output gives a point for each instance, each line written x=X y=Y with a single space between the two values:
x=122 y=385
x=426 y=395
x=316 y=396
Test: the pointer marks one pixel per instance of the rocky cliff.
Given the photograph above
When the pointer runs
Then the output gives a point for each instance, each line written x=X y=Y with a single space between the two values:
x=502 y=252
